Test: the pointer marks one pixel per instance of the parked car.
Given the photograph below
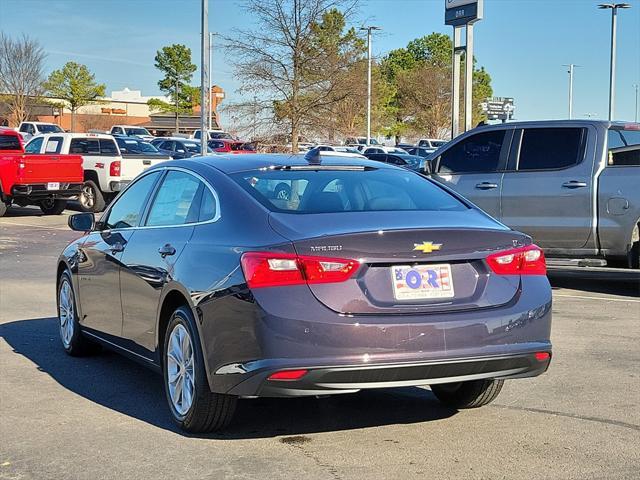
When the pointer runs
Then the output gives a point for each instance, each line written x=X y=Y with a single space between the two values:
x=133 y=146
x=106 y=172
x=412 y=162
x=132 y=130
x=382 y=149
x=370 y=276
x=178 y=147
x=213 y=135
x=322 y=151
x=231 y=146
x=431 y=143
x=338 y=148
x=47 y=180
x=420 y=151
x=360 y=141
x=573 y=185
x=31 y=129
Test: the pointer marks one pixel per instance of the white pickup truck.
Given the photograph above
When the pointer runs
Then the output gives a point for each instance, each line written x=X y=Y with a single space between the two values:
x=106 y=171
x=29 y=130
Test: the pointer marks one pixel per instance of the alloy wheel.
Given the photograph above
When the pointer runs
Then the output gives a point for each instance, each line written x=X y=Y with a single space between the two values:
x=87 y=196
x=180 y=369
x=66 y=312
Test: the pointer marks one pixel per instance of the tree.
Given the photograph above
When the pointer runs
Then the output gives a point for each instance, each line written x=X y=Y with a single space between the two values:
x=76 y=86
x=21 y=74
x=283 y=59
x=175 y=62
x=420 y=74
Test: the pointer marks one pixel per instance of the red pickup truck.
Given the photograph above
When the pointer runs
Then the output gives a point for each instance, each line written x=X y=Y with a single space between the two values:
x=47 y=180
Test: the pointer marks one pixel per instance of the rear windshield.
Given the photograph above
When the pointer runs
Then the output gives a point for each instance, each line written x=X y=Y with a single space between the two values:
x=334 y=190
x=9 y=142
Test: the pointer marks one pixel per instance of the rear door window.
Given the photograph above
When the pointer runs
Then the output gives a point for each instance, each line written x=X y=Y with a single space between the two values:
x=54 y=145
x=624 y=148
x=479 y=153
x=177 y=201
x=85 y=146
x=108 y=148
x=551 y=148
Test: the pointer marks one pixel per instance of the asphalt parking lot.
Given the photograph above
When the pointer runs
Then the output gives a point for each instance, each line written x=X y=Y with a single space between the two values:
x=105 y=417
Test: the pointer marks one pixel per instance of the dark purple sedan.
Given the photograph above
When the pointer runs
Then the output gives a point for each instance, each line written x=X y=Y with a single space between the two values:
x=276 y=275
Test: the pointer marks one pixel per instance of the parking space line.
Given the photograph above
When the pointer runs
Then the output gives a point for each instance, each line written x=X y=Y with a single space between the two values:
x=31 y=225
x=598 y=298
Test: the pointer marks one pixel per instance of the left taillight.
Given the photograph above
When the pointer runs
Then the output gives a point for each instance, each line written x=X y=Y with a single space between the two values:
x=527 y=260
x=114 y=168
x=266 y=269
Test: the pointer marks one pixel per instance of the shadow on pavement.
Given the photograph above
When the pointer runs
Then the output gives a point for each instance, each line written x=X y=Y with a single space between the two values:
x=124 y=386
x=604 y=280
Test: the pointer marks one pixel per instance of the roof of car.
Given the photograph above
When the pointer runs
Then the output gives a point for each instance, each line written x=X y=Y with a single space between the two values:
x=239 y=163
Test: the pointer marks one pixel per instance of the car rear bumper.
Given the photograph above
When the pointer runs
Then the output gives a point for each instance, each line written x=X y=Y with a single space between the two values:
x=39 y=191
x=347 y=379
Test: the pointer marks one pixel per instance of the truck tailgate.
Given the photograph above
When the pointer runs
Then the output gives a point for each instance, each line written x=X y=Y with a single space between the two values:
x=133 y=165
x=43 y=168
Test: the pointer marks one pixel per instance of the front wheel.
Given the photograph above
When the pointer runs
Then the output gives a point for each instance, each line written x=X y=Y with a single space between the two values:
x=53 y=207
x=91 y=198
x=72 y=340
x=194 y=408
x=471 y=394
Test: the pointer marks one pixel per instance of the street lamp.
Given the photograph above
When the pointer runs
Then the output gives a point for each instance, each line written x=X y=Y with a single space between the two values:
x=636 y=112
x=369 y=29
x=612 y=67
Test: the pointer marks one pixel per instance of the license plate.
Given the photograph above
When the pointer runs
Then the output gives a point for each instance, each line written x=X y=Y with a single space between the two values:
x=53 y=186
x=421 y=282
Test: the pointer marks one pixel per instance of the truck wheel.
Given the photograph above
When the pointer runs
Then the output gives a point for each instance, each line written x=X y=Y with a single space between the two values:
x=91 y=198
x=194 y=408
x=3 y=208
x=472 y=394
x=53 y=207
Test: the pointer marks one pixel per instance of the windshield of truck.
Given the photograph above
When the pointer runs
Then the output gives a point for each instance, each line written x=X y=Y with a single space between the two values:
x=137 y=131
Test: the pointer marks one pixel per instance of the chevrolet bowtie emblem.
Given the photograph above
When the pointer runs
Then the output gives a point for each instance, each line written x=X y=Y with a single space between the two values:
x=427 y=247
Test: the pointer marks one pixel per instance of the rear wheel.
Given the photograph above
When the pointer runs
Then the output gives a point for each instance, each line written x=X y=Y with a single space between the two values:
x=50 y=206
x=471 y=394
x=193 y=406
x=91 y=198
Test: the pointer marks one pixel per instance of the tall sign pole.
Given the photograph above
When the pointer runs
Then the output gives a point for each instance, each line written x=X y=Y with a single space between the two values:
x=459 y=14
x=204 y=76
x=210 y=124
x=369 y=29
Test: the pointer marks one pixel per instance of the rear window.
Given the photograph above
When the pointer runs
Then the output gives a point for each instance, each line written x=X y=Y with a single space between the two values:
x=624 y=148
x=9 y=142
x=335 y=190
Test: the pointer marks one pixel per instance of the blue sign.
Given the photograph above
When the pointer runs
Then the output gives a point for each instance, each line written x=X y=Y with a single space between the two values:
x=462 y=12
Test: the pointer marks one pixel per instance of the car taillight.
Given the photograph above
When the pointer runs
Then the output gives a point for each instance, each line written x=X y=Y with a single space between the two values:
x=527 y=260
x=288 y=375
x=266 y=269
x=114 y=168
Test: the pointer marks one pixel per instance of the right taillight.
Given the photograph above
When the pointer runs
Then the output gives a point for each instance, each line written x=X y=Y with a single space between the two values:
x=267 y=269
x=527 y=260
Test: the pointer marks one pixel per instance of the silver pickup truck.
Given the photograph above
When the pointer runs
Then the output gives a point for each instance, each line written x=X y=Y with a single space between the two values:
x=573 y=185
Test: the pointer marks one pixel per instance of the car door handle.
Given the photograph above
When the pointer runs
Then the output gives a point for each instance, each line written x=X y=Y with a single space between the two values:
x=166 y=250
x=486 y=186
x=574 y=184
x=117 y=247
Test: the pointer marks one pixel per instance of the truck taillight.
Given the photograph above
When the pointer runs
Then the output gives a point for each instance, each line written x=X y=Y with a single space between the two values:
x=114 y=168
x=267 y=269
x=527 y=260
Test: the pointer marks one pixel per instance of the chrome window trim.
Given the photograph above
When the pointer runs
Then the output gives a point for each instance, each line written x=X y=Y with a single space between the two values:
x=163 y=171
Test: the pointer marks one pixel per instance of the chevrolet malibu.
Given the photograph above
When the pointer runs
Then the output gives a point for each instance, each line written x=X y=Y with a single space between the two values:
x=364 y=276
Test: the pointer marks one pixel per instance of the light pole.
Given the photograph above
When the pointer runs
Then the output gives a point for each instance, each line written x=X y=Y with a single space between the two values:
x=636 y=113
x=369 y=29
x=205 y=96
x=571 y=66
x=612 y=66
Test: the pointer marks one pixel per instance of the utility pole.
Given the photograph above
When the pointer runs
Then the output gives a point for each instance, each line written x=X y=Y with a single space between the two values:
x=572 y=67
x=455 y=82
x=210 y=81
x=205 y=79
x=369 y=29
x=177 y=104
x=468 y=80
x=612 y=65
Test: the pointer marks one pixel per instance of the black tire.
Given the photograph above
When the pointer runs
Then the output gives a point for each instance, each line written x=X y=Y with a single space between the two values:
x=209 y=411
x=3 y=208
x=91 y=198
x=471 y=394
x=53 y=207
x=77 y=345
x=282 y=191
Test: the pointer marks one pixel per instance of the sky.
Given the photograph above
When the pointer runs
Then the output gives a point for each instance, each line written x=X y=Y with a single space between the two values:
x=522 y=43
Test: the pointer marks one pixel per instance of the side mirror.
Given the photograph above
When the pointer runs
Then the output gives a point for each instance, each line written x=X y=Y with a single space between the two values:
x=81 y=222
